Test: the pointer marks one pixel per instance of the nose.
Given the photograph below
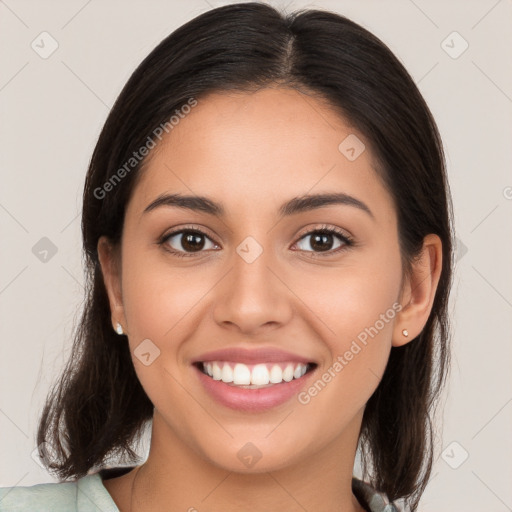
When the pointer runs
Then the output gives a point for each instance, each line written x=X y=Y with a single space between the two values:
x=253 y=297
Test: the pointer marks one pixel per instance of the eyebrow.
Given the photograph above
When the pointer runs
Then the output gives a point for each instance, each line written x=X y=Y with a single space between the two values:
x=291 y=207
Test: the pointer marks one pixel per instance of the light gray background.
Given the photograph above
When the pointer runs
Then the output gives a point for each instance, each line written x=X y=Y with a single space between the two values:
x=51 y=114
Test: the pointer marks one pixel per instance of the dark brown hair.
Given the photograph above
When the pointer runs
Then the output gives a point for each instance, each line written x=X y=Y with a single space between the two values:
x=98 y=408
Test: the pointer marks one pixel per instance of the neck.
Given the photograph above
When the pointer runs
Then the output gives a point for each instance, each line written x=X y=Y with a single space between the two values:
x=176 y=478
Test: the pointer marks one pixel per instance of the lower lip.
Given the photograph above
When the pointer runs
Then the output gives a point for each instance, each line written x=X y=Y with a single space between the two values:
x=252 y=400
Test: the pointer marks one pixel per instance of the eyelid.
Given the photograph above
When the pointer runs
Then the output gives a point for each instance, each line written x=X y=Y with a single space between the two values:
x=188 y=227
x=325 y=227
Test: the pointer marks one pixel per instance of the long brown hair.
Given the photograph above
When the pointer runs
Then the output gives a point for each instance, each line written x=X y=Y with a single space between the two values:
x=97 y=409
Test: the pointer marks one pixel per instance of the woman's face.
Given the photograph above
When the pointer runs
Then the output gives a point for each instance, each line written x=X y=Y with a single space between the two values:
x=260 y=278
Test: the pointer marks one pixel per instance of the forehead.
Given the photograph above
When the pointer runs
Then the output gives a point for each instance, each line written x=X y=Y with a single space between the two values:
x=255 y=146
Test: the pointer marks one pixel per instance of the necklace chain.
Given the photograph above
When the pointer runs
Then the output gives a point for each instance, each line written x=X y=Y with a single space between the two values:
x=133 y=486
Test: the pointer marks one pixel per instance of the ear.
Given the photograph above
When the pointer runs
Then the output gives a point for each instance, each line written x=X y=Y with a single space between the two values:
x=110 y=263
x=419 y=291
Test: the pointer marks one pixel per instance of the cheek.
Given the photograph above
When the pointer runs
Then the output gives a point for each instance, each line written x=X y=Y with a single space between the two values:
x=358 y=308
x=157 y=297
x=161 y=304
x=359 y=353
x=352 y=300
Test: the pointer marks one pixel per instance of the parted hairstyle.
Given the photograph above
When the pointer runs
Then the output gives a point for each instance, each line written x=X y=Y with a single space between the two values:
x=97 y=408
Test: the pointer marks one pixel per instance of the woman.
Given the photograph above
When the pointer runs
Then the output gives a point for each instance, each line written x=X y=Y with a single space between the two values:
x=267 y=230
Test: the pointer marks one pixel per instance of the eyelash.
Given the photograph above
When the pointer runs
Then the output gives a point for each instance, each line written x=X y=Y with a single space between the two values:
x=347 y=241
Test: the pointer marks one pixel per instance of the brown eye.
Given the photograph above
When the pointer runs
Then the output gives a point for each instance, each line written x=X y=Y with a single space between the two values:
x=324 y=241
x=321 y=241
x=187 y=241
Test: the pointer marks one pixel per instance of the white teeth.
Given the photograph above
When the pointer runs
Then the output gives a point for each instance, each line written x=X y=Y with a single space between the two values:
x=227 y=373
x=288 y=373
x=217 y=372
x=241 y=374
x=276 y=374
x=261 y=374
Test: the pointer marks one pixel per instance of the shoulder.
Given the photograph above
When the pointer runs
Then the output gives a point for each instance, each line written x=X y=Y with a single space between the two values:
x=50 y=496
x=370 y=499
x=87 y=494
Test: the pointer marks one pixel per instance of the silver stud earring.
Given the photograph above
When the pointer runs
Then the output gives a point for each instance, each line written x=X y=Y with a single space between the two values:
x=119 y=328
x=405 y=332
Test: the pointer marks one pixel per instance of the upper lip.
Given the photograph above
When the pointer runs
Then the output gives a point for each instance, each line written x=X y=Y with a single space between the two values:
x=252 y=356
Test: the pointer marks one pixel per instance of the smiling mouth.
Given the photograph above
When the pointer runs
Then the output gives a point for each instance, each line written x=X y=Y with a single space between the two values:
x=254 y=376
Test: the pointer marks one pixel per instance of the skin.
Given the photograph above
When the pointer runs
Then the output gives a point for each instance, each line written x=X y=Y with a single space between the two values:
x=247 y=149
